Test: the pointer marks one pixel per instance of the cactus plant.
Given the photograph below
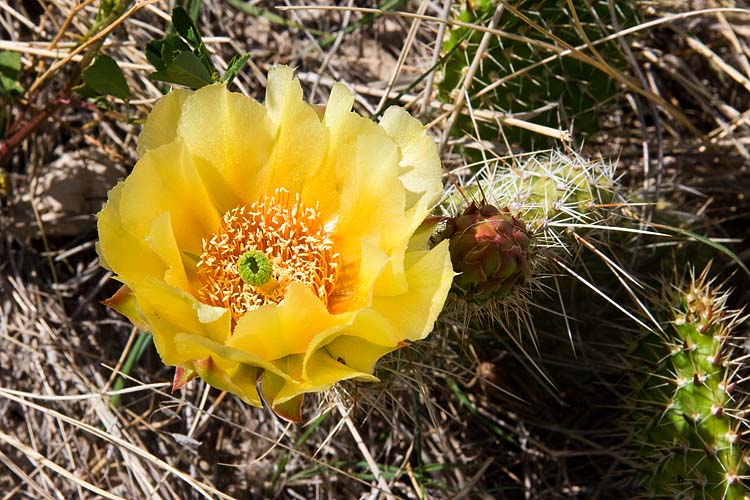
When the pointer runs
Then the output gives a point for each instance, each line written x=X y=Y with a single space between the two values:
x=562 y=90
x=541 y=199
x=553 y=192
x=688 y=405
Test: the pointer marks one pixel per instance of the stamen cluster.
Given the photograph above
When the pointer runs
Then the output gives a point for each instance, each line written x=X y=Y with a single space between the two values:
x=290 y=234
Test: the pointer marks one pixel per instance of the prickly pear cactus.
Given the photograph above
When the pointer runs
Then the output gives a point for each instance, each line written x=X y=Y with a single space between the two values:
x=554 y=94
x=553 y=192
x=489 y=250
x=688 y=409
x=544 y=199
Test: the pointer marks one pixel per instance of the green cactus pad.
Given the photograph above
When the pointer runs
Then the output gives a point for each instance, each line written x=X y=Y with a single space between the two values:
x=554 y=94
x=688 y=414
x=550 y=191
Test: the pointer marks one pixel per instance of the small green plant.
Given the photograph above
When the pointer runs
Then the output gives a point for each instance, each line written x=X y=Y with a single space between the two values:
x=181 y=56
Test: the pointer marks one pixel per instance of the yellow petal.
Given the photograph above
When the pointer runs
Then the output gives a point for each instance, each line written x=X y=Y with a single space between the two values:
x=170 y=311
x=162 y=240
x=290 y=409
x=357 y=353
x=189 y=347
x=231 y=132
x=275 y=331
x=420 y=164
x=124 y=302
x=371 y=209
x=430 y=275
x=372 y=203
x=240 y=381
x=369 y=326
x=119 y=248
x=323 y=371
x=296 y=122
x=341 y=127
x=166 y=180
x=370 y=336
x=161 y=125
x=359 y=268
x=222 y=195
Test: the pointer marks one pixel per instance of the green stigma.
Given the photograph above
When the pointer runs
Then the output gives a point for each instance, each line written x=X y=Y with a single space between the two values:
x=255 y=268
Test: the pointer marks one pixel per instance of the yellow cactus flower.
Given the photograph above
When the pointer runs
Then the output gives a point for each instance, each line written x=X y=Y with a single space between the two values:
x=276 y=246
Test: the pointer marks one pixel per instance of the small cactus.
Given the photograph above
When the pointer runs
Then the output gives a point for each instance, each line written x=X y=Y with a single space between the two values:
x=558 y=187
x=562 y=90
x=490 y=251
x=552 y=192
x=688 y=410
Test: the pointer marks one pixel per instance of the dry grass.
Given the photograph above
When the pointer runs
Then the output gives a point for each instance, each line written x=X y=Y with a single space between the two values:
x=460 y=415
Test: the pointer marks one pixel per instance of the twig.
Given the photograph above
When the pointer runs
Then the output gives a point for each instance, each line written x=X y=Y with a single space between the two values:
x=382 y=485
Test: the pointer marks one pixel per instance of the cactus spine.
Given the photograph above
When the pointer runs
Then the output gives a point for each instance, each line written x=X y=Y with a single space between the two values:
x=553 y=192
x=527 y=207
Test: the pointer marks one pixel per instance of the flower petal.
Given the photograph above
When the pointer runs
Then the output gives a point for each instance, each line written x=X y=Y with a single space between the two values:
x=420 y=164
x=241 y=381
x=430 y=275
x=165 y=179
x=368 y=325
x=231 y=132
x=125 y=303
x=323 y=370
x=296 y=122
x=290 y=409
x=341 y=127
x=171 y=311
x=181 y=377
x=161 y=125
x=274 y=331
x=119 y=249
x=357 y=353
x=162 y=240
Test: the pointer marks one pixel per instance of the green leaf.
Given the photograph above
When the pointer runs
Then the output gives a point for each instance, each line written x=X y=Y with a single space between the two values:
x=193 y=7
x=161 y=53
x=187 y=29
x=10 y=66
x=105 y=77
x=87 y=92
x=186 y=69
x=153 y=54
x=235 y=66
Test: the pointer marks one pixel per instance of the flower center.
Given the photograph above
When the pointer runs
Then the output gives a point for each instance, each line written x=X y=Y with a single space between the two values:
x=260 y=249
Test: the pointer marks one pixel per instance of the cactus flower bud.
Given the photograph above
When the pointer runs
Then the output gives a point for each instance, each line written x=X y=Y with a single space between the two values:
x=490 y=251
